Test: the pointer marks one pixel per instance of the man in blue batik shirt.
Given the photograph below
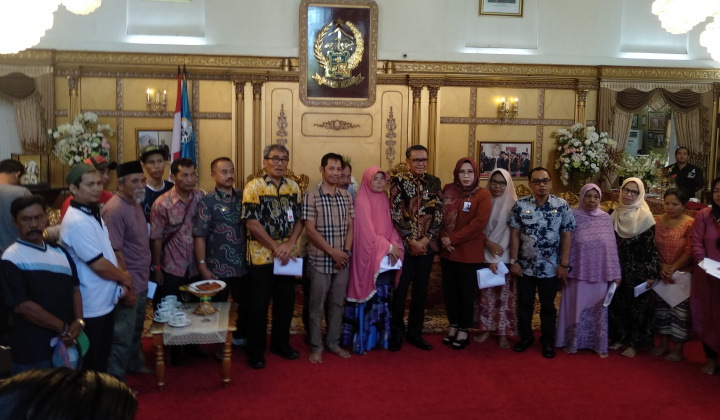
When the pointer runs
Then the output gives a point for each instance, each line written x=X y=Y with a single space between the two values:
x=540 y=226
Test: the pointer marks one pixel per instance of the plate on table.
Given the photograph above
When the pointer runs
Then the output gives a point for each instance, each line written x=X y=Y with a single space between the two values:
x=179 y=325
x=206 y=287
x=162 y=320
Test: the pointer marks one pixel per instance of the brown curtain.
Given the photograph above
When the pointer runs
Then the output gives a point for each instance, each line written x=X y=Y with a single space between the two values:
x=632 y=100
x=606 y=102
x=17 y=86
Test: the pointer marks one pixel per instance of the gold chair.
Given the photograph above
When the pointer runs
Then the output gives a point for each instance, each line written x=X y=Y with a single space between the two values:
x=302 y=180
x=572 y=198
x=522 y=190
x=399 y=169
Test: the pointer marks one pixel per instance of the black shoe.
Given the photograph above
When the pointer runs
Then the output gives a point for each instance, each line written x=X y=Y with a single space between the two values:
x=548 y=351
x=522 y=345
x=419 y=343
x=450 y=338
x=287 y=352
x=257 y=363
x=461 y=344
x=395 y=345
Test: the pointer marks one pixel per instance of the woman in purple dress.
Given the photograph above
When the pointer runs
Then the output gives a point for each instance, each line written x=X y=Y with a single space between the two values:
x=583 y=320
x=705 y=289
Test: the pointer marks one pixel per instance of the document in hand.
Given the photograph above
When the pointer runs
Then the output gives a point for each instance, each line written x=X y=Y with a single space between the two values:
x=610 y=293
x=711 y=267
x=486 y=278
x=642 y=288
x=675 y=293
x=292 y=268
x=385 y=265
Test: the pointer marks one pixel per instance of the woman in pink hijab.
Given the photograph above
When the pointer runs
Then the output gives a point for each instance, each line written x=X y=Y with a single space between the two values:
x=367 y=314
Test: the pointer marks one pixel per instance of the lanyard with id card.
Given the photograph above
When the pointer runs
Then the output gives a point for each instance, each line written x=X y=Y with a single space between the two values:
x=290 y=215
x=466 y=206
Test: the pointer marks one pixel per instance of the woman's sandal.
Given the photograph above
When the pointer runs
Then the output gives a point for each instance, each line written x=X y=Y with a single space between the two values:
x=450 y=338
x=461 y=344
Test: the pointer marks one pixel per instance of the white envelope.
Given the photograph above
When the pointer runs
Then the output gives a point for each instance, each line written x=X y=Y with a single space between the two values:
x=486 y=278
x=385 y=265
x=610 y=293
x=711 y=267
x=674 y=293
x=152 y=286
x=641 y=288
x=292 y=268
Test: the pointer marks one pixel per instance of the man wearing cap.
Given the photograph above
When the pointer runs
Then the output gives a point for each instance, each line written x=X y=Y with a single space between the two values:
x=103 y=167
x=153 y=160
x=128 y=235
x=85 y=236
x=39 y=283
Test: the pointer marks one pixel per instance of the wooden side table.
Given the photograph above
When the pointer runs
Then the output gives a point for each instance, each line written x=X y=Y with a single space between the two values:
x=158 y=331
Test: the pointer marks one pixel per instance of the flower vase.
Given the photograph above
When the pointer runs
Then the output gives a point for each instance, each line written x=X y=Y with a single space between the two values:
x=576 y=181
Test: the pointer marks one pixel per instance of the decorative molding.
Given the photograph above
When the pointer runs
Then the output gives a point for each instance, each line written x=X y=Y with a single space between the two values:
x=61 y=113
x=211 y=115
x=390 y=126
x=119 y=94
x=516 y=121
x=120 y=136
x=257 y=90
x=643 y=73
x=195 y=96
x=471 y=128
x=494 y=69
x=591 y=123
x=73 y=81
x=153 y=114
x=239 y=89
x=282 y=125
x=433 y=91
x=538 y=145
x=582 y=95
x=337 y=125
x=173 y=60
x=541 y=105
x=416 y=92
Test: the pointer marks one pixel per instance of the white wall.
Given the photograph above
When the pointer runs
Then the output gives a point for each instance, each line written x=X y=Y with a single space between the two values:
x=584 y=32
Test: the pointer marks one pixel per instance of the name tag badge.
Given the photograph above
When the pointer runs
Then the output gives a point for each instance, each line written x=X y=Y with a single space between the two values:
x=466 y=207
x=291 y=216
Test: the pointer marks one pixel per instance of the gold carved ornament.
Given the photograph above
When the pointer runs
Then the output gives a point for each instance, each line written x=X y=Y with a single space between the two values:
x=337 y=67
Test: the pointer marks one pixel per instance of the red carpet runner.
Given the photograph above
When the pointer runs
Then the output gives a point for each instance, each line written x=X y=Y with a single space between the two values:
x=481 y=381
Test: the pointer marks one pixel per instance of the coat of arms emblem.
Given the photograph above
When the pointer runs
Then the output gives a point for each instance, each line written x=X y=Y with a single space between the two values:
x=338 y=49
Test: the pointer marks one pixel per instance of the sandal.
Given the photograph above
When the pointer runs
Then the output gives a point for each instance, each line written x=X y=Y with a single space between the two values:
x=449 y=339
x=462 y=343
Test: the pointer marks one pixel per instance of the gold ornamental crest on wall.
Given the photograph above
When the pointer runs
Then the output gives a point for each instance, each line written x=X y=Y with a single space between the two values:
x=338 y=49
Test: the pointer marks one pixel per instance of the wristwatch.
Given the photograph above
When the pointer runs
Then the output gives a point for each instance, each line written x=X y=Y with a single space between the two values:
x=154 y=268
x=348 y=252
x=81 y=322
x=512 y=261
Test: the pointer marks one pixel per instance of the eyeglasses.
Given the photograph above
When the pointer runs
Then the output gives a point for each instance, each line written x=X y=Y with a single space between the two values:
x=632 y=193
x=498 y=183
x=420 y=161
x=277 y=160
x=544 y=181
x=345 y=176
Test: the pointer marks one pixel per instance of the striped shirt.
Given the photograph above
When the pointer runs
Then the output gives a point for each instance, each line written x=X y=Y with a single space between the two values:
x=330 y=214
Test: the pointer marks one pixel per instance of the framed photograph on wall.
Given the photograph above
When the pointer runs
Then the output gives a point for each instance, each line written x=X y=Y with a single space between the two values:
x=147 y=138
x=36 y=168
x=657 y=121
x=515 y=157
x=659 y=140
x=338 y=52
x=501 y=7
x=635 y=121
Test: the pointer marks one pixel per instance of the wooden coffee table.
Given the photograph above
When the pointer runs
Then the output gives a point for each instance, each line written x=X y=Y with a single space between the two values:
x=198 y=332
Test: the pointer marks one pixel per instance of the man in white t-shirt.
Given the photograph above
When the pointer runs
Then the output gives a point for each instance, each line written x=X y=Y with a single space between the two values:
x=85 y=236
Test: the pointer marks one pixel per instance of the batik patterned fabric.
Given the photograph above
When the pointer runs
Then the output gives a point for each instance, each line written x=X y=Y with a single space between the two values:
x=416 y=207
x=366 y=325
x=540 y=228
x=218 y=220
x=495 y=308
x=272 y=206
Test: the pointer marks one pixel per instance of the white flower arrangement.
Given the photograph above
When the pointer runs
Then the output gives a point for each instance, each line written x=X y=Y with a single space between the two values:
x=648 y=168
x=78 y=141
x=582 y=149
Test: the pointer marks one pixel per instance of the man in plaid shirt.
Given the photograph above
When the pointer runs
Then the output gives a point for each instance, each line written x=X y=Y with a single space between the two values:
x=328 y=215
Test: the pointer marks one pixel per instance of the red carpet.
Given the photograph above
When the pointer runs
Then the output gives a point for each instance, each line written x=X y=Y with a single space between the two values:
x=481 y=381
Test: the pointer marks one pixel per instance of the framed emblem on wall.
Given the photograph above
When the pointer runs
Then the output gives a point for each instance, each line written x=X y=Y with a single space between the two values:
x=338 y=52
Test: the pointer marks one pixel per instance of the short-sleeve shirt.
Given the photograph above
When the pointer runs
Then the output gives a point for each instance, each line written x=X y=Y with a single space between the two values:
x=276 y=208
x=689 y=178
x=128 y=233
x=540 y=228
x=219 y=220
x=8 y=232
x=85 y=236
x=47 y=276
x=330 y=214
x=172 y=221
x=151 y=195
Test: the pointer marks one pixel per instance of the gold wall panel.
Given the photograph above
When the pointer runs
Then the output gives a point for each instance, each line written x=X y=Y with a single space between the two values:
x=62 y=95
x=214 y=141
x=454 y=102
x=549 y=154
x=215 y=96
x=452 y=145
x=591 y=106
x=560 y=104
x=528 y=101
x=392 y=149
x=336 y=125
x=504 y=133
x=97 y=93
x=135 y=93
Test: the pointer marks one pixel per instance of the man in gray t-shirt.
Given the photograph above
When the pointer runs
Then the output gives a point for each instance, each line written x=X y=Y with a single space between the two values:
x=10 y=189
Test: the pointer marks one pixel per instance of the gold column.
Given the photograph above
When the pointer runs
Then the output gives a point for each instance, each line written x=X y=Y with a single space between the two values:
x=432 y=127
x=416 y=108
x=257 y=126
x=582 y=96
x=240 y=133
x=73 y=92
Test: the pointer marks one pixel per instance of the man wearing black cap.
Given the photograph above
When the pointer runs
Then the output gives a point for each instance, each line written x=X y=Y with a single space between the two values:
x=85 y=236
x=129 y=238
x=103 y=167
x=153 y=160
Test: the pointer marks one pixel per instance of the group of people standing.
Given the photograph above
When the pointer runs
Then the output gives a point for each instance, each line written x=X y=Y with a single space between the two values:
x=365 y=250
x=518 y=164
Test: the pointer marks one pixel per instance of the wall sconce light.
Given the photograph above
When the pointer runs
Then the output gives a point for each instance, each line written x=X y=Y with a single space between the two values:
x=156 y=101
x=507 y=108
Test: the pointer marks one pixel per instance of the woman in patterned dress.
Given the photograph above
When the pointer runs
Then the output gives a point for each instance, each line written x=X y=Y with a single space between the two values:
x=672 y=238
x=366 y=323
x=631 y=318
x=495 y=308
x=583 y=320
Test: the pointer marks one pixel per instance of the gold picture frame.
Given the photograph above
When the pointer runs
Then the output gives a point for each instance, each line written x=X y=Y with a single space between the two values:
x=512 y=8
x=489 y=152
x=338 y=52
x=36 y=168
x=153 y=137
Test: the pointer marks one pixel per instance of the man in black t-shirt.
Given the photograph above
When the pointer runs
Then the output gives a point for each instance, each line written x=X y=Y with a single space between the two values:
x=688 y=177
x=39 y=282
x=153 y=160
